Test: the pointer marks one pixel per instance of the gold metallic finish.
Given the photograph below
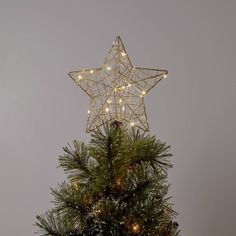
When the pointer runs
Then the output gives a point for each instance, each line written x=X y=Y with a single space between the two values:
x=117 y=89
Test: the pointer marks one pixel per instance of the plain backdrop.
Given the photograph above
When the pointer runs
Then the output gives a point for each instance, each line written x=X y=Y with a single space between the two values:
x=41 y=109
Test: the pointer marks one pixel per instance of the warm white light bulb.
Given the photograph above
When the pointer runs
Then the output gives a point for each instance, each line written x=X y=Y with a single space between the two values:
x=123 y=108
x=123 y=54
x=165 y=76
x=123 y=87
x=88 y=111
x=108 y=68
x=91 y=71
x=132 y=123
x=143 y=92
x=109 y=101
x=129 y=85
x=107 y=109
x=80 y=77
x=115 y=89
x=120 y=101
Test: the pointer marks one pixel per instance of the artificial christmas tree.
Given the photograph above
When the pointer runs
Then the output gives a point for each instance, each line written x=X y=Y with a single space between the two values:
x=116 y=185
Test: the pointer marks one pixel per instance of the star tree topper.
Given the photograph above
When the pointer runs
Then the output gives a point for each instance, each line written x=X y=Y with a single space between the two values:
x=117 y=89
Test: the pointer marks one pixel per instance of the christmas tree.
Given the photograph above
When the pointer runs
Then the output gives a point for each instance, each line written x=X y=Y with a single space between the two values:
x=117 y=184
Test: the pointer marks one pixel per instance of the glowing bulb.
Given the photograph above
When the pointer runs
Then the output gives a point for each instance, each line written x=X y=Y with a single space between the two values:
x=129 y=85
x=115 y=89
x=120 y=101
x=136 y=228
x=80 y=77
x=108 y=68
x=123 y=87
x=143 y=92
x=88 y=111
x=107 y=109
x=91 y=71
x=132 y=123
x=165 y=76
x=109 y=101
x=123 y=54
x=123 y=108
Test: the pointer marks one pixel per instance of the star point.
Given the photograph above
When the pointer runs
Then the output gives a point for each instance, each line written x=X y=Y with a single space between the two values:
x=117 y=89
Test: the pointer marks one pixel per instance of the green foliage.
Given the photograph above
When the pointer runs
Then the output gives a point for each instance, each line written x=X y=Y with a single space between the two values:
x=116 y=186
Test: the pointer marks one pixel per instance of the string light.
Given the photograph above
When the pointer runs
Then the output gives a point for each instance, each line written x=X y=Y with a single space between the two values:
x=123 y=54
x=123 y=108
x=109 y=101
x=120 y=101
x=91 y=71
x=136 y=228
x=88 y=111
x=165 y=76
x=132 y=123
x=75 y=185
x=108 y=68
x=143 y=92
x=80 y=77
x=98 y=211
x=107 y=109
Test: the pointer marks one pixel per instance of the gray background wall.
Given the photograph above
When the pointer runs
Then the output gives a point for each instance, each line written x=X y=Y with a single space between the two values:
x=41 y=109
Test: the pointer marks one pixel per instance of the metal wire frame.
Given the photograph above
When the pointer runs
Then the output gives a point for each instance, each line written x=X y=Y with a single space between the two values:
x=117 y=89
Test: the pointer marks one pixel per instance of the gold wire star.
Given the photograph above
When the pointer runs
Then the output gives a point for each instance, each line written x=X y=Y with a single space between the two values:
x=117 y=89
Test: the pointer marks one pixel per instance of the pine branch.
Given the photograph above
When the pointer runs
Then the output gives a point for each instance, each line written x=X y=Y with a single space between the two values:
x=77 y=161
x=51 y=224
x=65 y=199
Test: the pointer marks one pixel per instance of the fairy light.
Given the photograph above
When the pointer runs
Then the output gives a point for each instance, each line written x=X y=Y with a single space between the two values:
x=123 y=87
x=132 y=123
x=165 y=76
x=123 y=108
x=135 y=228
x=108 y=68
x=115 y=89
x=91 y=71
x=123 y=54
x=120 y=101
x=109 y=101
x=80 y=77
x=107 y=109
x=143 y=92
x=75 y=185
x=88 y=111
x=129 y=85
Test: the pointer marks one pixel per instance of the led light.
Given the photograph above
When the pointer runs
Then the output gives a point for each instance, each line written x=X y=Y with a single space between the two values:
x=129 y=85
x=91 y=71
x=88 y=111
x=123 y=54
x=115 y=89
x=123 y=108
x=109 y=101
x=80 y=77
x=136 y=228
x=108 y=68
x=107 y=109
x=165 y=76
x=123 y=87
x=143 y=92
x=132 y=123
x=120 y=101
